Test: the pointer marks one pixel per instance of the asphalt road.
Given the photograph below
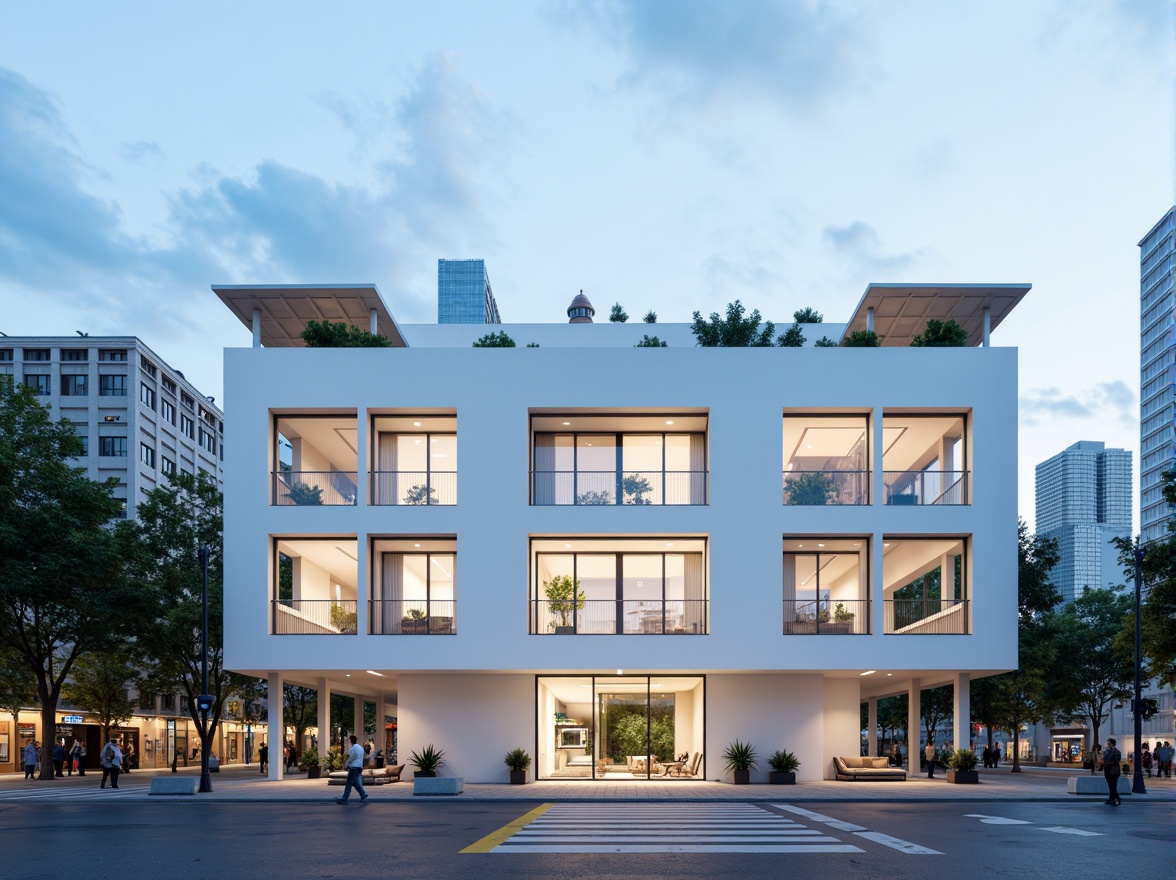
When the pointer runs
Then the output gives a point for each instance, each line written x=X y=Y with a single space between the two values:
x=179 y=840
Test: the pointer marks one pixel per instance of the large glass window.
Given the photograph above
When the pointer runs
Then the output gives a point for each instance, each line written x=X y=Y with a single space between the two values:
x=621 y=727
x=639 y=460
x=112 y=386
x=314 y=589
x=925 y=459
x=415 y=587
x=629 y=587
x=826 y=458
x=925 y=586
x=415 y=460
x=826 y=586
x=38 y=382
x=73 y=385
x=315 y=458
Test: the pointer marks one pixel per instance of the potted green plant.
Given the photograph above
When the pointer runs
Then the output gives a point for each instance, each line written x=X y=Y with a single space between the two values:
x=810 y=488
x=740 y=758
x=427 y=761
x=343 y=620
x=784 y=765
x=517 y=760
x=304 y=494
x=564 y=597
x=961 y=768
x=311 y=761
x=414 y=621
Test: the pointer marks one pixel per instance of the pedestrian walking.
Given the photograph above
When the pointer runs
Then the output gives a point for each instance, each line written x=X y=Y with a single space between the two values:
x=30 y=759
x=1112 y=758
x=263 y=757
x=929 y=754
x=59 y=759
x=1166 y=760
x=1147 y=760
x=78 y=757
x=128 y=758
x=354 y=768
x=111 y=763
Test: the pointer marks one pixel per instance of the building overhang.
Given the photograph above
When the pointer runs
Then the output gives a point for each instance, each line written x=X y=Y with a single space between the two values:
x=285 y=309
x=901 y=311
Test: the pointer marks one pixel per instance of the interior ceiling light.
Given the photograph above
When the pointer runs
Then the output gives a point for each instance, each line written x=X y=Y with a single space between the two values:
x=416 y=545
x=820 y=545
x=349 y=675
x=568 y=546
x=620 y=672
x=669 y=543
x=373 y=672
x=869 y=672
x=669 y=421
x=567 y=423
x=416 y=424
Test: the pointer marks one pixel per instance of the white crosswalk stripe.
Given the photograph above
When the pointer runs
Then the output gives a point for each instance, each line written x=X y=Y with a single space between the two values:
x=667 y=828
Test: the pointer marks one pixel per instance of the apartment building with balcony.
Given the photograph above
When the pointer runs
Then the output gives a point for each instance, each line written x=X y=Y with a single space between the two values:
x=604 y=553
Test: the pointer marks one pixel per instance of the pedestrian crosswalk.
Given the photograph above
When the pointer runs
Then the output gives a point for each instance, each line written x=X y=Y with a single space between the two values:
x=667 y=828
x=48 y=792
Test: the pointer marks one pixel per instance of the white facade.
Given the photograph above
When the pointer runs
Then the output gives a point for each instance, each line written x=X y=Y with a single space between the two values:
x=745 y=663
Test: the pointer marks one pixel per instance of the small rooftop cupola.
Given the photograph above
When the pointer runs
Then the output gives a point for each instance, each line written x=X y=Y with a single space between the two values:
x=580 y=311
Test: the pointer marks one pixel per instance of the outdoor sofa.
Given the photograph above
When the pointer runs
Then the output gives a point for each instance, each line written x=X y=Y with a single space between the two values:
x=370 y=775
x=867 y=770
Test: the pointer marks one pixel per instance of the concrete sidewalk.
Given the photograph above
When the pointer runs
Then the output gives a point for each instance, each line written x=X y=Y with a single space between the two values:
x=246 y=785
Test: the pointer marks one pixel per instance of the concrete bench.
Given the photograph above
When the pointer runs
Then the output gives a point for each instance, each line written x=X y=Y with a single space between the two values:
x=174 y=785
x=437 y=785
x=1095 y=785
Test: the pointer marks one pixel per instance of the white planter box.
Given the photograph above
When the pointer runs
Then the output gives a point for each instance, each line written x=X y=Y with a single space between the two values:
x=437 y=785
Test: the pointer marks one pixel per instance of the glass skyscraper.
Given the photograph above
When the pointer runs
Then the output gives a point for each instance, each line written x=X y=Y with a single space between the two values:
x=463 y=293
x=1157 y=375
x=1083 y=501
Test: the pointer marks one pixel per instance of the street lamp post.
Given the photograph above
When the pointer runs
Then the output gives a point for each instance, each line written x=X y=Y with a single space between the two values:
x=1137 y=786
x=204 y=701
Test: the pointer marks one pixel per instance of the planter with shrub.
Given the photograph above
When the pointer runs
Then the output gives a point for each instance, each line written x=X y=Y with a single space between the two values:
x=962 y=768
x=740 y=759
x=784 y=765
x=517 y=761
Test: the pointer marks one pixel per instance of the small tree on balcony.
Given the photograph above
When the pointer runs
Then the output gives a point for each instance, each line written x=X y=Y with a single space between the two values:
x=564 y=597
x=324 y=334
x=636 y=487
x=810 y=489
x=303 y=494
x=420 y=494
x=941 y=334
x=593 y=497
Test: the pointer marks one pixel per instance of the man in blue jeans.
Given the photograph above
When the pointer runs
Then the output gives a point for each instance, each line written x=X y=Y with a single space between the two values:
x=354 y=767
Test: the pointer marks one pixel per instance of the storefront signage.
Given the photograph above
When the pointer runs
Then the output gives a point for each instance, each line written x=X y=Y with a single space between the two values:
x=72 y=719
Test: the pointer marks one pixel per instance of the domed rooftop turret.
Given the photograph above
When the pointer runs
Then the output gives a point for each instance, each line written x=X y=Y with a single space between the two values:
x=580 y=311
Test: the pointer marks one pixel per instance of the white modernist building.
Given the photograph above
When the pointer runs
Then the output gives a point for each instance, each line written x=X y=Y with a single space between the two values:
x=603 y=553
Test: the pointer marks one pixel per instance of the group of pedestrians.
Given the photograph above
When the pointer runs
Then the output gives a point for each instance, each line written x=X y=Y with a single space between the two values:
x=1160 y=758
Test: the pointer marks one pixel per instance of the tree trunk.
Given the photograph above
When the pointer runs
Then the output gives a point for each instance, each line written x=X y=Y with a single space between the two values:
x=1017 y=749
x=48 y=736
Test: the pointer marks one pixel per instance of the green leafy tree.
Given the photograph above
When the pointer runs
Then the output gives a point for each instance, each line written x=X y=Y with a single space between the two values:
x=18 y=685
x=174 y=522
x=892 y=716
x=793 y=337
x=306 y=495
x=563 y=597
x=650 y=317
x=63 y=590
x=618 y=315
x=810 y=489
x=299 y=709
x=862 y=339
x=495 y=340
x=650 y=342
x=825 y=342
x=100 y=684
x=325 y=334
x=935 y=707
x=941 y=334
x=532 y=345
x=984 y=702
x=420 y=494
x=733 y=331
x=807 y=316
x=635 y=488
x=1091 y=672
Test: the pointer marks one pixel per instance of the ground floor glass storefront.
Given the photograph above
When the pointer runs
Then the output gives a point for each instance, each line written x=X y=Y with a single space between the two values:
x=621 y=726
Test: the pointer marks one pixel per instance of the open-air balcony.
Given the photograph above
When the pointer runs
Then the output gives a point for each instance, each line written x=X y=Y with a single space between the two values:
x=315 y=461
x=848 y=617
x=610 y=617
x=414 y=587
x=925 y=586
x=314 y=589
x=414 y=460
x=393 y=617
x=826 y=459
x=926 y=617
x=825 y=586
x=314 y=617
x=925 y=460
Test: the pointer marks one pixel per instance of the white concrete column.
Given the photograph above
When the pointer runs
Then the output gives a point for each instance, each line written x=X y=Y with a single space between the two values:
x=257 y=328
x=914 y=722
x=962 y=708
x=375 y=324
x=357 y=727
x=275 y=734
x=324 y=716
x=872 y=726
x=870 y=319
x=987 y=325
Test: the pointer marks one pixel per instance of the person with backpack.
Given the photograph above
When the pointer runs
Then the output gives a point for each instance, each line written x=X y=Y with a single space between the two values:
x=1112 y=760
x=111 y=763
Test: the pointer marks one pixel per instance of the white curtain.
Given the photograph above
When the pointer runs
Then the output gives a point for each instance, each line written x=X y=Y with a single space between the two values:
x=386 y=465
x=698 y=469
x=695 y=592
x=392 y=593
x=544 y=476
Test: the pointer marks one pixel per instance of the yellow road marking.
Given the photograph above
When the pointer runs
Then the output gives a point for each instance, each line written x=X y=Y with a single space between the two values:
x=492 y=840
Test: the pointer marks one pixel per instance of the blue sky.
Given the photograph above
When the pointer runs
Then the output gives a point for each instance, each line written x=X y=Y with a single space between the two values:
x=672 y=155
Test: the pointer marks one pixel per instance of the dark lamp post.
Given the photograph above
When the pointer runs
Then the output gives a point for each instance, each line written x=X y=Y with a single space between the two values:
x=204 y=701
x=1137 y=786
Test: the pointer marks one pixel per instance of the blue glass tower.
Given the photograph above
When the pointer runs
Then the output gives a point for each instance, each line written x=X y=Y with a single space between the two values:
x=463 y=293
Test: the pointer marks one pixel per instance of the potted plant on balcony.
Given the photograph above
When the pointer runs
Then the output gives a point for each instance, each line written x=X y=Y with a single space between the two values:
x=415 y=621
x=420 y=494
x=311 y=761
x=811 y=488
x=635 y=488
x=517 y=760
x=427 y=761
x=564 y=597
x=962 y=768
x=740 y=758
x=304 y=494
x=343 y=620
x=784 y=765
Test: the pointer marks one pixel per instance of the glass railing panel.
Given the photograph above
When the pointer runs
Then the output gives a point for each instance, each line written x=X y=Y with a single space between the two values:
x=926 y=487
x=414 y=488
x=314 y=617
x=397 y=617
x=599 y=617
x=926 y=617
x=827 y=617
x=314 y=488
x=652 y=488
x=810 y=488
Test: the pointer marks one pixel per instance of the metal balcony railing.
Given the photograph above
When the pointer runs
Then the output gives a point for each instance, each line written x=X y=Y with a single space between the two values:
x=843 y=617
x=314 y=617
x=666 y=488
x=926 y=617
x=403 y=617
x=926 y=487
x=826 y=487
x=314 y=488
x=414 y=488
x=612 y=617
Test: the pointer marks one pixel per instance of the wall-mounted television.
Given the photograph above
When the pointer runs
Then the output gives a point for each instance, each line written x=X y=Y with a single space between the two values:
x=573 y=738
